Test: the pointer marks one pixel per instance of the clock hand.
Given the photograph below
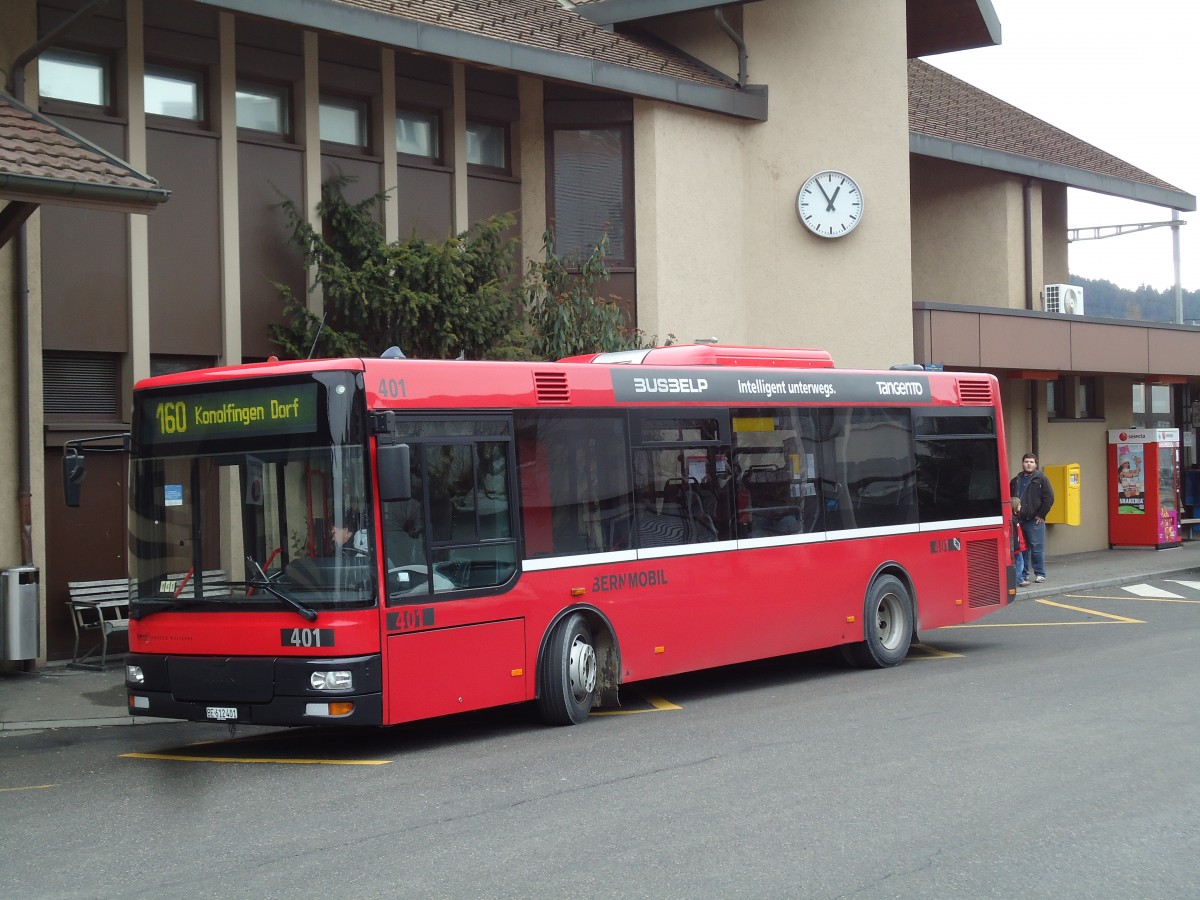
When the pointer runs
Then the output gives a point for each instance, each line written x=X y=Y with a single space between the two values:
x=823 y=194
x=829 y=208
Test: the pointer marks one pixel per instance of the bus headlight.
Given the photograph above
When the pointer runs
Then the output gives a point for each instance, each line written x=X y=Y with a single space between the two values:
x=338 y=680
x=134 y=675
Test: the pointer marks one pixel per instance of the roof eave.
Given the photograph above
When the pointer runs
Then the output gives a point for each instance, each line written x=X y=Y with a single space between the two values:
x=612 y=12
x=930 y=30
x=1000 y=160
x=62 y=192
x=396 y=31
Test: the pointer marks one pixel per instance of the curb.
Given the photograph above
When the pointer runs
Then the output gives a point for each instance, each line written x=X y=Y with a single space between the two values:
x=1034 y=591
x=96 y=722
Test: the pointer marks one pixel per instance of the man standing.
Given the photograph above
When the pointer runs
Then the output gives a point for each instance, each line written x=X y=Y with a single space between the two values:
x=1031 y=488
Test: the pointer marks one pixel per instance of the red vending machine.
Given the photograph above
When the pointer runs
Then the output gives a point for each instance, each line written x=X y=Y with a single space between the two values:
x=1143 y=488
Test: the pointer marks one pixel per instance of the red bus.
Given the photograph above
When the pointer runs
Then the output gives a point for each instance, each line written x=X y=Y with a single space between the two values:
x=375 y=541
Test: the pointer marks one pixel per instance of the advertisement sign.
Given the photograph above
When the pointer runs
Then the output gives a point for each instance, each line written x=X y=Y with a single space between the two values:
x=1131 y=482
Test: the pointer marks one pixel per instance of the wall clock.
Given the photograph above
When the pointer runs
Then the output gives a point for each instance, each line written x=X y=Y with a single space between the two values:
x=830 y=204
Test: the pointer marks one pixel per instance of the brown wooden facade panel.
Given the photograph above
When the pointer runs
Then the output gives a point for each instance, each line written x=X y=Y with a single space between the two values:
x=266 y=176
x=953 y=340
x=1013 y=342
x=1174 y=352
x=491 y=197
x=1097 y=347
x=425 y=200
x=85 y=266
x=184 y=246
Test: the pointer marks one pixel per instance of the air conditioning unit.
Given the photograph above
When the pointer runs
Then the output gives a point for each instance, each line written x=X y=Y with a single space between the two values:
x=1064 y=299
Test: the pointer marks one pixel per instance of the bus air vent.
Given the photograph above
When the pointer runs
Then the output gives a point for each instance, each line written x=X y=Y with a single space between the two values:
x=552 y=387
x=983 y=574
x=975 y=391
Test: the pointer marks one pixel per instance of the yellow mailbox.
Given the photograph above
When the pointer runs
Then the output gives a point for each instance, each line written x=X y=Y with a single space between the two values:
x=1064 y=481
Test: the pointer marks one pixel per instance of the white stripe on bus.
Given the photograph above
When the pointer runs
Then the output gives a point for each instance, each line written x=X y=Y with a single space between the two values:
x=787 y=540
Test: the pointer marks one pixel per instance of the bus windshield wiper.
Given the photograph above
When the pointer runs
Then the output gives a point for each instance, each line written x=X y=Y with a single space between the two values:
x=263 y=582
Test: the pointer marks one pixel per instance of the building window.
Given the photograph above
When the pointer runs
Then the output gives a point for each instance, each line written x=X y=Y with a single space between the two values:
x=1054 y=401
x=74 y=76
x=1087 y=398
x=344 y=121
x=592 y=191
x=263 y=107
x=1160 y=399
x=1139 y=398
x=1152 y=405
x=1073 y=397
x=487 y=145
x=417 y=134
x=174 y=93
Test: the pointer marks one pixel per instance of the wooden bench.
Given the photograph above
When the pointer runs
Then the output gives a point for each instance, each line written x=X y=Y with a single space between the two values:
x=103 y=607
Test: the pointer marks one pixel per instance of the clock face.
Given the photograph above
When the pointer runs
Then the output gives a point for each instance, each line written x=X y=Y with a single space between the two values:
x=830 y=204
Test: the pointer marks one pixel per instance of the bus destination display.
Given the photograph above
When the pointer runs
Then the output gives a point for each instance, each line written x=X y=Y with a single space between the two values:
x=236 y=413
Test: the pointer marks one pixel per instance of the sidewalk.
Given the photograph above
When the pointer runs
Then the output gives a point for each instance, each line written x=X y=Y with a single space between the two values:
x=56 y=696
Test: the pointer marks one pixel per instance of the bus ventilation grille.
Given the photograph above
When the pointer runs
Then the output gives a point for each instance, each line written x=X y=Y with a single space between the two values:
x=552 y=387
x=983 y=574
x=975 y=391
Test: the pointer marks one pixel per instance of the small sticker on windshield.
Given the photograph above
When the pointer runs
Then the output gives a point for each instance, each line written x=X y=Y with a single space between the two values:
x=172 y=495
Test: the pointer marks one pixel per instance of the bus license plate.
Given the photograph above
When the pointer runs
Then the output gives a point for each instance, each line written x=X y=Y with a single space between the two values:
x=221 y=713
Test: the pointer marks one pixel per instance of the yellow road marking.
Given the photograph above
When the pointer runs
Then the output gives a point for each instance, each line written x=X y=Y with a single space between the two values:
x=933 y=652
x=1092 y=612
x=659 y=704
x=1129 y=597
x=1111 y=619
x=179 y=757
x=28 y=787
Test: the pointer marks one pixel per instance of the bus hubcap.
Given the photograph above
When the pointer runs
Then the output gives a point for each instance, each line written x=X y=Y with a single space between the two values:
x=889 y=619
x=583 y=669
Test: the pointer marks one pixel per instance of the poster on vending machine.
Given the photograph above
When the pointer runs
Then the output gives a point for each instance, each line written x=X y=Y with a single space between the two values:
x=1131 y=483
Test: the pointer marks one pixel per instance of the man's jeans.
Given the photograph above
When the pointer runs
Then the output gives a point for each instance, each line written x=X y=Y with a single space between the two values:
x=1034 y=557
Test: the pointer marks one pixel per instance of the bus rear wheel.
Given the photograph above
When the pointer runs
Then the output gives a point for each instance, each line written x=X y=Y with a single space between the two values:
x=887 y=626
x=567 y=677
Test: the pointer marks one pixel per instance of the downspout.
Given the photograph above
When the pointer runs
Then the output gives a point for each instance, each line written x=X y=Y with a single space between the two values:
x=16 y=87
x=737 y=39
x=1027 y=220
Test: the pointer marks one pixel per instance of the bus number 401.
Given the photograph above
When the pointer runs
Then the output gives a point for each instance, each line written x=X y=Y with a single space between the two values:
x=307 y=637
x=392 y=387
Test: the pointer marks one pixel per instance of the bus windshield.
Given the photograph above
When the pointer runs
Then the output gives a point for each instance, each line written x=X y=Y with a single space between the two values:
x=281 y=522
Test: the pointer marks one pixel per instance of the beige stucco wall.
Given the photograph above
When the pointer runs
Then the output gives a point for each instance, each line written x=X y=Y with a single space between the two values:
x=1054 y=225
x=967 y=235
x=721 y=251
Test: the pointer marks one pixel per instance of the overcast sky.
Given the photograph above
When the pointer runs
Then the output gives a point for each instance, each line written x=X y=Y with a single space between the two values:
x=1124 y=77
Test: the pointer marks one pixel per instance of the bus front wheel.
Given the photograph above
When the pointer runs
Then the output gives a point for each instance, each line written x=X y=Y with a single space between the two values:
x=887 y=626
x=567 y=683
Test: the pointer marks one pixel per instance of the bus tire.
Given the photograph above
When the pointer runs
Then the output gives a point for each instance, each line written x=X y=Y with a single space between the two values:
x=567 y=674
x=887 y=626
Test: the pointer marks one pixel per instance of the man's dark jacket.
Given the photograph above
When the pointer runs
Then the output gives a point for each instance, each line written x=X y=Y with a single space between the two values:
x=1038 y=496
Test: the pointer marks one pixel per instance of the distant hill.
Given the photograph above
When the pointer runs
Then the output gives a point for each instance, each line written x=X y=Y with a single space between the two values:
x=1103 y=298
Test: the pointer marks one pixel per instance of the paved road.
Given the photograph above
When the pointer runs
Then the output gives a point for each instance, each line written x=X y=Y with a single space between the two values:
x=1049 y=753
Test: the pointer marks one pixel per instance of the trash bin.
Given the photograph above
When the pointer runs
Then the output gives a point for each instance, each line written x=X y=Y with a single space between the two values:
x=20 y=624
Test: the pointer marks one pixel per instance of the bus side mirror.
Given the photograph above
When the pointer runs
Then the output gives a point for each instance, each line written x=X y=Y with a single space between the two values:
x=73 y=473
x=395 y=478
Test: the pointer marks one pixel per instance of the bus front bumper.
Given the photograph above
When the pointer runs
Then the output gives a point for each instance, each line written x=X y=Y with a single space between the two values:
x=256 y=690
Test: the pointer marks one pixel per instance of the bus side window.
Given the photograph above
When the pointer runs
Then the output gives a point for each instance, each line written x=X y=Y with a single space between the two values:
x=574 y=478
